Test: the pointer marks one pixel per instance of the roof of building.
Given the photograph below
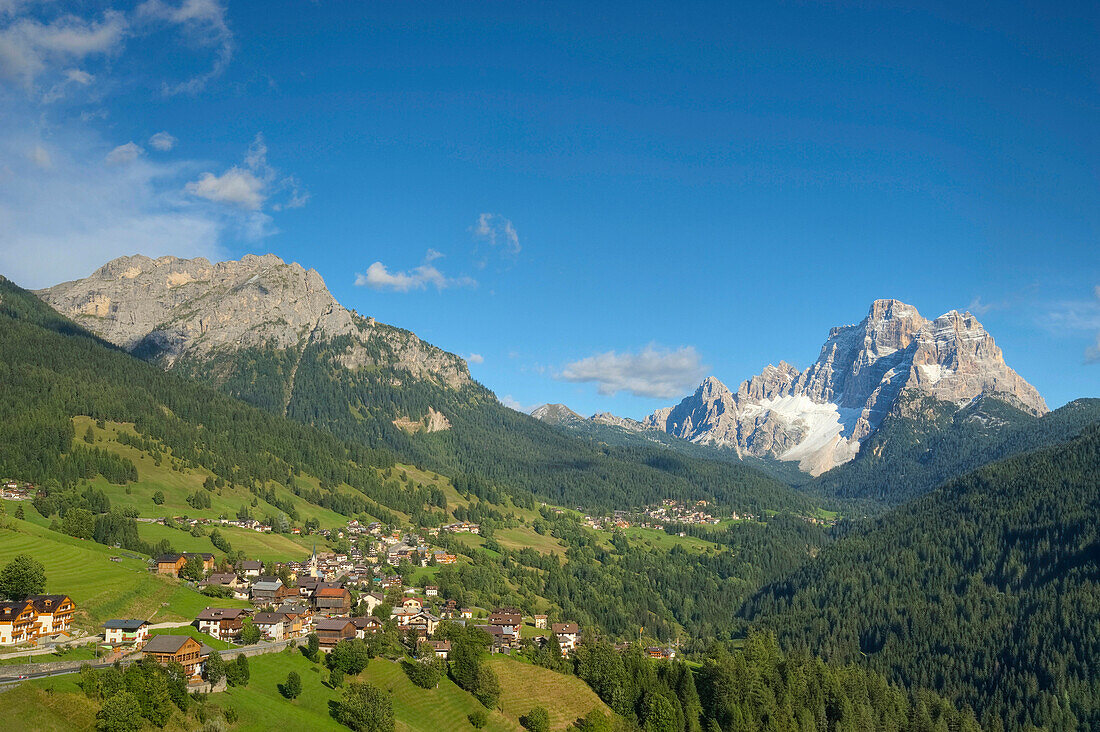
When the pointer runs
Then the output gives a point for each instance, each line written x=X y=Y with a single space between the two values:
x=220 y=578
x=268 y=618
x=333 y=623
x=443 y=645
x=13 y=609
x=565 y=628
x=267 y=586
x=365 y=621
x=250 y=564
x=125 y=623
x=47 y=603
x=168 y=558
x=221 y=613
x=331 y=592
x=166 y=643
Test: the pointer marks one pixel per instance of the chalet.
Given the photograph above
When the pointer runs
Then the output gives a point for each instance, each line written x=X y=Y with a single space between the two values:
x=332 y=601
x=444 y=558
x=496 y=634
x=126 y=631
x=466 y=613
x=540 y=621
x=173 y=563
x=206 y=558
x=182 y=649
x=431 y=591
x=412 y=603
x=299 y=619
x=423 y=623
x=223 y=623
x=568 y=634
x=307 y=585
x=270 y=592
x=229 y=581
x=250 y=567
x=331 y=631
x=18 y=622
x=170 y=564
x=509 y=621
x=372 y=600
x=272 y=625
x=660 y=652
x=442 y=648
x=402 y=616
x=366 y=625
x=55 y=613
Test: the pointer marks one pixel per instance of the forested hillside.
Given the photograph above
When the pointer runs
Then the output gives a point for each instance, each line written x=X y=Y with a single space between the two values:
x=485 y=438
x=929 y=442
x=986 y=590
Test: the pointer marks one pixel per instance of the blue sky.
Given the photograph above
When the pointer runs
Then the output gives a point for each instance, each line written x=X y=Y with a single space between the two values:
x=630 y=196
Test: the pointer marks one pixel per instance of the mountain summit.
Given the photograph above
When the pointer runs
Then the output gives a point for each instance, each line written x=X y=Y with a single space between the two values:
x=820 y=416
x=186 y=312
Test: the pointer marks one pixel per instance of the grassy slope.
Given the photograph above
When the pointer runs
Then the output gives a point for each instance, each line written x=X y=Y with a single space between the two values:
x=525 y=686
x=261 y=707
x=58 y=704
x=265 y=547
x=178 y=482
x=48 y=707
x=101 y=589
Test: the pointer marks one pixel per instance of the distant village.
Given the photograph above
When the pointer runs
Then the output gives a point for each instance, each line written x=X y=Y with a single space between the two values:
x=656 y=516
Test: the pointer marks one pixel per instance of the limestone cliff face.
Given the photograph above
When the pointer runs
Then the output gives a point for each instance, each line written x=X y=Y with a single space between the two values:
x=172 y=310
x=820 y=416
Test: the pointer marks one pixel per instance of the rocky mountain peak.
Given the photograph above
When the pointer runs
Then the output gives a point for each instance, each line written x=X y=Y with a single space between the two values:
x=820 y=416
x=171 y=310
x=555 y=414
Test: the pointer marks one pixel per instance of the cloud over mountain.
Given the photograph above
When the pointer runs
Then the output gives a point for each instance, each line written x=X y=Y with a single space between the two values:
x=653 y=372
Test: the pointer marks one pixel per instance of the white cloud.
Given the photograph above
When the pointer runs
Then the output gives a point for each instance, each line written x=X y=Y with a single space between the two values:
x=236 y=186
x=977 y=307
x=249 y=186
x=162 y=141
x=28 y=46
x=203 y=22
x=64 y=220
x=497 y=231
x=79 y=77
x=379 y=277
x=508 y=401
x=124 y=154
x=40 y=157
x=1078 y=315
x=475 y=358
x=653 y=372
